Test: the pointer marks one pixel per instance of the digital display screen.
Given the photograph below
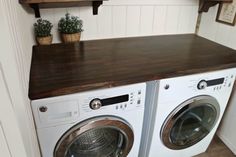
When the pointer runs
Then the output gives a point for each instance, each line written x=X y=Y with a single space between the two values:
x=215 y=82
x=115 y=100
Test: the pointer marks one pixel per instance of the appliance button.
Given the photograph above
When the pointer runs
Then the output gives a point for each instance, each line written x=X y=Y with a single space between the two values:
x=167 y=86
x=139 y=102
x=202 y=84
x=43 y=109
x=117 y=107
x=121 y=106
x=125 y=105
x=229 y=84
x=139 y=92
x=95 y=104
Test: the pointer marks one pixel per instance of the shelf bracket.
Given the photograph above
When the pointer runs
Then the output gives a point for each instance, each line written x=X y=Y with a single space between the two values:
x=204 y=5
x=96 y=5
x=35 y=6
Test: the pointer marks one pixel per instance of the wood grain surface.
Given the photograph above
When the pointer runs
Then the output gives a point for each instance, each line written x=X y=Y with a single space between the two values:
x=52 y=1
x=61 y=69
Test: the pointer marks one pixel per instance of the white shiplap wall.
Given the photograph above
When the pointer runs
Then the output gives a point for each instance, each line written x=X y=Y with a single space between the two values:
x=218 y=32
x=126 y=18
x=15 y=57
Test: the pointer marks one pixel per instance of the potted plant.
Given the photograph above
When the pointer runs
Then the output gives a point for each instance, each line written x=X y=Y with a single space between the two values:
x=42 y=30
x=70 y=28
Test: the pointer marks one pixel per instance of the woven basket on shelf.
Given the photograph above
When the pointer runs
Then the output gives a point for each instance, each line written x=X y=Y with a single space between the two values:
x=44 y=40
x=69 y=38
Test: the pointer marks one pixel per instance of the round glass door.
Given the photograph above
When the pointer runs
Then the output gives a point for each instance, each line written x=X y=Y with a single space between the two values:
x=190 y=122
x=100 y=137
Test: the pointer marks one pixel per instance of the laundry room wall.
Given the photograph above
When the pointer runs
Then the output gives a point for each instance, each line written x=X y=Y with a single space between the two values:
x=215 y=31
x=127 y=18
x=15 y=57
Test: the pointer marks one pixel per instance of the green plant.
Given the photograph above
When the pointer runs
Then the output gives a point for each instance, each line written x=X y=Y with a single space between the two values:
x=70 y=24
x=42 y=28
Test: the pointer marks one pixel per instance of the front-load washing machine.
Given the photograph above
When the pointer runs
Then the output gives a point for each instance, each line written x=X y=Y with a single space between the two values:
x=100 y=123
x=187 y=110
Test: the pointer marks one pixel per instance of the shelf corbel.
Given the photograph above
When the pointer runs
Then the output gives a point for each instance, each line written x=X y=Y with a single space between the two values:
x=96 y=5
x=204 y=5
x=35 y=7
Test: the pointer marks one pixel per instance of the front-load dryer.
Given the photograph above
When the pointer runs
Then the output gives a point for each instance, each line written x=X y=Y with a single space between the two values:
x=188 y=112
x=101 y=123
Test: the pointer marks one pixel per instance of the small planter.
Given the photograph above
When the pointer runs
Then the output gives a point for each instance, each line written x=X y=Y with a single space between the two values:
x=42 y=31
x=70 y=38
x=70 y=28
x=44 y=40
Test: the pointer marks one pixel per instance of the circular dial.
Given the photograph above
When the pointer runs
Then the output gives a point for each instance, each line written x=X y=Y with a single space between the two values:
x=202 y=84
x=95 y=104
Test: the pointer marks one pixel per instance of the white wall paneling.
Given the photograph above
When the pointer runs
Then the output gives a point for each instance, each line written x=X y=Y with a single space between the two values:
x=150 y=2
x=147 y=19
x=15 y=57
x=127 y=18
x=119 y=21
x=159 y=22
x=173 y=13
x=104 y=22
x=218 y=32
x=10 y=136
x=133 y=20
x=187 y=19
x=4 y=149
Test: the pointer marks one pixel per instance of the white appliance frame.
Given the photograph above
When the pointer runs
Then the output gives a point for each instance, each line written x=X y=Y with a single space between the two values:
x=180 y=90
x=50 y=132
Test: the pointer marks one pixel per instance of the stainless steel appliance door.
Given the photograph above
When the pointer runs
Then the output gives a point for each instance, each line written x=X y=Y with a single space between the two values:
x=190 y=122
x=97 y=137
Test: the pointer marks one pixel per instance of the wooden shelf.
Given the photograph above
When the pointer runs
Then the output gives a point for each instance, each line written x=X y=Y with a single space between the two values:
x=204 y=5
x=36 y=5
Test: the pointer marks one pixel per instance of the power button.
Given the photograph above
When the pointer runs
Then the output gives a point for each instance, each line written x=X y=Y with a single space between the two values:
x=202 y=84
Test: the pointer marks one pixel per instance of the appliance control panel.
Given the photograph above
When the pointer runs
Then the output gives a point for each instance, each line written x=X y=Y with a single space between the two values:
x=216 y=84
x=115 y=99
x=69 y=108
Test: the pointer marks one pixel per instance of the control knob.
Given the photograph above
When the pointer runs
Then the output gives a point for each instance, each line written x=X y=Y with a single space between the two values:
x=95 y=104
x=202 y=84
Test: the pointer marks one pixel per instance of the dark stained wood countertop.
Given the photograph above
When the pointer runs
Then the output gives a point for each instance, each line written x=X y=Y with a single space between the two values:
x=61 y=69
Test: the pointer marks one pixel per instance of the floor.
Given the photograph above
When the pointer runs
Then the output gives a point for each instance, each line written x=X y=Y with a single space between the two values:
x=217 y=149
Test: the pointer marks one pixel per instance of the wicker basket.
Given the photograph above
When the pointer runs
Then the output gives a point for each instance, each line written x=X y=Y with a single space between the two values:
x=44 y=40
x=69 y=38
